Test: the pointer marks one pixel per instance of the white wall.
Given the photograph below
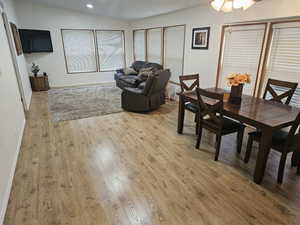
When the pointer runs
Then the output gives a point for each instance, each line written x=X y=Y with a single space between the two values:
x=36 y=16
x=12 y=121
x=205 y=62
x=9 y=6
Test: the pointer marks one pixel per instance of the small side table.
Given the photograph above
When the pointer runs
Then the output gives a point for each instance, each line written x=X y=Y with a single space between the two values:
x=39 y=83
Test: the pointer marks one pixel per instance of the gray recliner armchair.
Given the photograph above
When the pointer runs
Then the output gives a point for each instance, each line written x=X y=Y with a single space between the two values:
x=150 y=96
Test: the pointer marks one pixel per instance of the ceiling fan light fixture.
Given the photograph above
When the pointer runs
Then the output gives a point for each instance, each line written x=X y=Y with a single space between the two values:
x=248 y=4
x=217 y=4
x=229 y=5
x=237 y=4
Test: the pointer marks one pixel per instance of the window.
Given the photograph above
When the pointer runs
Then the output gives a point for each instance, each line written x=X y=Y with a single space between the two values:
x=174 y=50
x=110 y=49
x=79 y=49
x=154 y=45
x=283 y=61
x=241 y=53
x=139 y=45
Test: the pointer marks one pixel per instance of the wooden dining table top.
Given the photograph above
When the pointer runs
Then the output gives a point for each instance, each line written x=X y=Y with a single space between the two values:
x=254 y=111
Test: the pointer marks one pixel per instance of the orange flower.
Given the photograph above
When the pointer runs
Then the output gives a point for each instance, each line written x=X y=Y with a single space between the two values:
x=237 y=79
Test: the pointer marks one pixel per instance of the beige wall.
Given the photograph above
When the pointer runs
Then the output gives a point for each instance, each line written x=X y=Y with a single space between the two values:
x=36 y=16
x=9 y=8
x=205 y=62
x=12 y=121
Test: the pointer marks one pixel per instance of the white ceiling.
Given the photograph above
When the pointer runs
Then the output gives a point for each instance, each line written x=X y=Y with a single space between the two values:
x=125 y=9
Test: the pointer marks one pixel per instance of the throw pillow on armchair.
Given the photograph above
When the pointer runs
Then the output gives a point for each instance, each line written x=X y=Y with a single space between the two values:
x=129 y=71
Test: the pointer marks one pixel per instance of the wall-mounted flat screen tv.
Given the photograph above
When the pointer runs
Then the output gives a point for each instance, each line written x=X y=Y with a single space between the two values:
x=36 y=41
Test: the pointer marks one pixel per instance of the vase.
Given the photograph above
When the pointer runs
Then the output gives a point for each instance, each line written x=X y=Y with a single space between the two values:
x=236 y=94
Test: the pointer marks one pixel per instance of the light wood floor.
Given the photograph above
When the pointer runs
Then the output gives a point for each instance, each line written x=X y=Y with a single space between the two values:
x=134 y=169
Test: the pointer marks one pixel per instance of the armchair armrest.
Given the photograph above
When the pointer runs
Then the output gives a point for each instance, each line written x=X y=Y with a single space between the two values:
x=136 y=91
x=120 y=71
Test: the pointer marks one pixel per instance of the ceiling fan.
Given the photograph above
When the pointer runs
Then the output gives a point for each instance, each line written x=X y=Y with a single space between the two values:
x=229 y=5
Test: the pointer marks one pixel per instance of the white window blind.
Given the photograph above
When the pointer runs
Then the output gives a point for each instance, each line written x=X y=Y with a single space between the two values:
x=174 y=50
x=79 y=48
x=241 y=53
x=154 y=45
x=110 y=50
x=140 y=45
x=284 y=56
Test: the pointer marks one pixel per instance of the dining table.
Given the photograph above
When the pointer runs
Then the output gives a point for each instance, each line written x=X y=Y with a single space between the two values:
x=264 y=115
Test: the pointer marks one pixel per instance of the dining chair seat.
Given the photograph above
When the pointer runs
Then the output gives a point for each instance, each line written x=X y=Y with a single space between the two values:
x=279 y=137
x=283 y=142
x=191 y=107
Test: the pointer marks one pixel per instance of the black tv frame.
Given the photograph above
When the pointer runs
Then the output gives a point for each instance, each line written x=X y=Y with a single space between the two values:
x=36 y=31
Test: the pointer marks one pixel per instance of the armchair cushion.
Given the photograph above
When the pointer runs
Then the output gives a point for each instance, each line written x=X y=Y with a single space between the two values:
x=134 y=90
x=145 y=73
x=129 y=71
x=130 y=79
x=138 y=65
x=142 y=85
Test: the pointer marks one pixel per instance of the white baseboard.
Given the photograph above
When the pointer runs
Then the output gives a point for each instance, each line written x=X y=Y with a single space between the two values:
x=28 y=102
x=11 y=177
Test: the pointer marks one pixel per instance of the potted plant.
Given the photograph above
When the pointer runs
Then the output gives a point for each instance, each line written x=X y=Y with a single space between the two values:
x=35 y=69
x=237 y=81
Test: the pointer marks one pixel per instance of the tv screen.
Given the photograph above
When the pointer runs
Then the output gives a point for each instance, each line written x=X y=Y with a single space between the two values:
x=36 y=41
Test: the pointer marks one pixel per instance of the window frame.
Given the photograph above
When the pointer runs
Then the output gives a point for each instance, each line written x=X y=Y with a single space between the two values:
x=260 y=60
x=268 y=51
x=145 y=40
x=97 y=50
x=97 y=58
x=184 y=42
x=64 y=50
x=162 y=45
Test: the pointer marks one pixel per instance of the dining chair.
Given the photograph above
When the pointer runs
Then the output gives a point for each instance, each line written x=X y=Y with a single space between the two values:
x=283 y=142
x=190 y=83
x=283 y=85
x=211 y=118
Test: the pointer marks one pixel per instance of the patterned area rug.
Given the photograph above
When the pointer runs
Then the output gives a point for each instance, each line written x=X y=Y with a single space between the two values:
x=82 y=102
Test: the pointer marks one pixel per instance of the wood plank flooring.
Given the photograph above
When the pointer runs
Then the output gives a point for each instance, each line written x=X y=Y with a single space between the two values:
x=134 y=169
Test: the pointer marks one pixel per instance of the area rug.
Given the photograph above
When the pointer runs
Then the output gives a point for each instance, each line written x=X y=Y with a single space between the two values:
x=82 y=102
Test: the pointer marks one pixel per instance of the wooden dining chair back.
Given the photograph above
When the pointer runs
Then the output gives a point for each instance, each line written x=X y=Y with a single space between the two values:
x=185 y=86
x=283 y=142
x=213 y=111
x=211 y=118
x=190 y=83
x=288 y=94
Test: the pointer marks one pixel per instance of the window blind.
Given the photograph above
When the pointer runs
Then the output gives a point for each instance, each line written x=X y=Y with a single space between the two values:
x=284 y=56
x=174 y=50
x=154 y=45
x=79 y=48
x=140 y=45
x=241 y=53
x=110 y=50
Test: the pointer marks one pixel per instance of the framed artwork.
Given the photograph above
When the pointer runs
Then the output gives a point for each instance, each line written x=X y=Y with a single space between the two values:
x=17 y=39
x=200 y=38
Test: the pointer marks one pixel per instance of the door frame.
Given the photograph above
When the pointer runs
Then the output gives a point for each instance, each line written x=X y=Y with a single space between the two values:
x=14 y=59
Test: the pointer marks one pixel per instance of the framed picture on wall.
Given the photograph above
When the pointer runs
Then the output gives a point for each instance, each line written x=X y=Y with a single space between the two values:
x=200 y=38
x=17 y=39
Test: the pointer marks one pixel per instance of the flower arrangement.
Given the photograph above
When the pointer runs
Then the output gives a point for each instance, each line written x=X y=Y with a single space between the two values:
x=235 y=79
x=35 y=69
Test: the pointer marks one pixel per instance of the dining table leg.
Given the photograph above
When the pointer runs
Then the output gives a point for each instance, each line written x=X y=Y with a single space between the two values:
x=180 y=115
x=263 y=153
